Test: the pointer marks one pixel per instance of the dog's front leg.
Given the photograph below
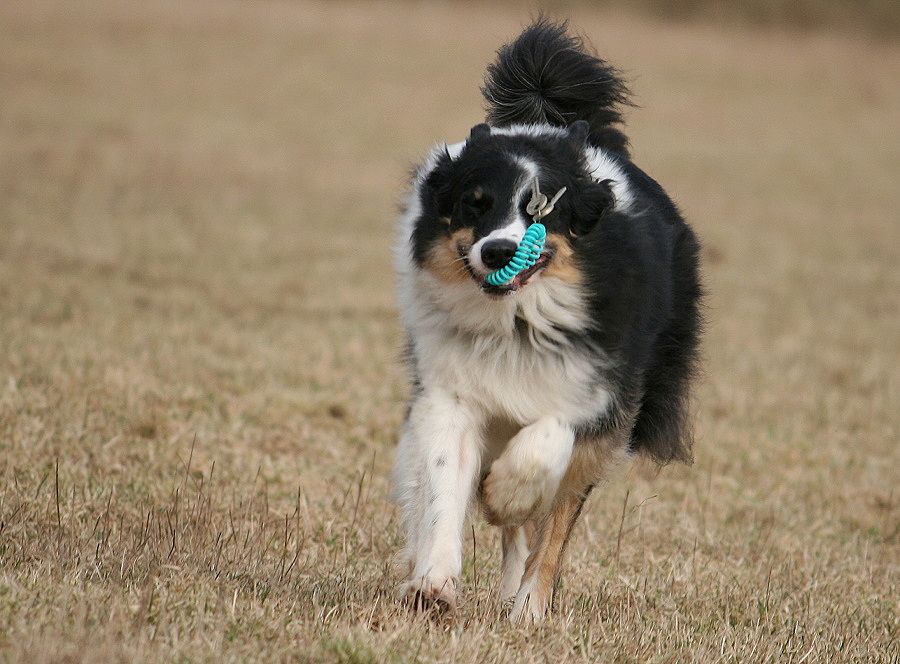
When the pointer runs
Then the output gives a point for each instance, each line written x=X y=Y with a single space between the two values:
x=523 y=481
x=437 y=462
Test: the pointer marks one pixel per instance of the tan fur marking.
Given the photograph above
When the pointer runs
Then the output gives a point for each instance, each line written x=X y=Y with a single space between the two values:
x=444 y=260
x=562 y=265
x=545 y=561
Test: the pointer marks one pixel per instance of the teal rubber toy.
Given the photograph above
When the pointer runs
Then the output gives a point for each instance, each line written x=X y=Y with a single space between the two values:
x=527 y=254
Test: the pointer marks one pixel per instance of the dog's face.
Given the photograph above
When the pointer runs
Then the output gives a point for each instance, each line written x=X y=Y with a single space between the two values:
x=474 y=201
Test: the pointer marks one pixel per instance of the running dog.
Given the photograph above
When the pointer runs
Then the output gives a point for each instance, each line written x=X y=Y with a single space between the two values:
x=527 y=394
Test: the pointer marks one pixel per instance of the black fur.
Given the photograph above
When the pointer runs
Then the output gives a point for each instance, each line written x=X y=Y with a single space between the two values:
x=545 y=77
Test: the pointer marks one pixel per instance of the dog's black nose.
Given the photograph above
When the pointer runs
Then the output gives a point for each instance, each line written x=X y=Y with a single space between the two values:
x=496 y=253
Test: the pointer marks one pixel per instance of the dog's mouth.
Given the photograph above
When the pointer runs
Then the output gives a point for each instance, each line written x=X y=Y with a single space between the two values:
x=510 y=287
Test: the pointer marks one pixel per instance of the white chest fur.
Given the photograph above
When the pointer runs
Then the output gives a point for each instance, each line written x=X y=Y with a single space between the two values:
x=511 y=358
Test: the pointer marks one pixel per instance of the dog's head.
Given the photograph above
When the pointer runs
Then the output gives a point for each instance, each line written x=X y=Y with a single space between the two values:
x=473 y=197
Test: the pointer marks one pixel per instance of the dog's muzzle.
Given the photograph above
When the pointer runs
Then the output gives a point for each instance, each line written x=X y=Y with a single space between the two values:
x=494 y=255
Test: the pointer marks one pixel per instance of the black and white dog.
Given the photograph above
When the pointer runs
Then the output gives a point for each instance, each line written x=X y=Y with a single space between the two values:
x=530 y=393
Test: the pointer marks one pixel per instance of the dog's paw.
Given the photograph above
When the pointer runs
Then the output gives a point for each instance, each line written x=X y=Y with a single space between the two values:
x=523 y=481
x=532 y=603
x=429 y=593
x=528 y=609
x=511 y=495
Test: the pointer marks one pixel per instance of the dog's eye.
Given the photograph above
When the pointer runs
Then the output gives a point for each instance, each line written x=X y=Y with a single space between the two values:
x=476 y=202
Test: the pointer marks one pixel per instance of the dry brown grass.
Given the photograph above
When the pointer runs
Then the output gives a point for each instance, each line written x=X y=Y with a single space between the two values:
x=198 y=342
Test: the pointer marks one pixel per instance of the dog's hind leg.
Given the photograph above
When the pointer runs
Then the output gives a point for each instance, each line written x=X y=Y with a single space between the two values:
x=591 y=462
x=516 y=541
x=437 y=462
x=535 y=595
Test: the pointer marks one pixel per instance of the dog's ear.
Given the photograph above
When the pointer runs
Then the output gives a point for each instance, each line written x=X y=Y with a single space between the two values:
x=578 y=133
x=479 y=131
x=596 y=199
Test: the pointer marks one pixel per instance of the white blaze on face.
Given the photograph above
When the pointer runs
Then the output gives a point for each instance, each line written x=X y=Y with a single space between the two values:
x=518 y=223
x=513 y=232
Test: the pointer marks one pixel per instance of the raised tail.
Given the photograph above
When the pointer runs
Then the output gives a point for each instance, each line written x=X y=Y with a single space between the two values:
x=546 y=77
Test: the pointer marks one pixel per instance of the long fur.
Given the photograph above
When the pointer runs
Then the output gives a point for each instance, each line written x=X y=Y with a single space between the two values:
x=544 y=78
x=535 y=391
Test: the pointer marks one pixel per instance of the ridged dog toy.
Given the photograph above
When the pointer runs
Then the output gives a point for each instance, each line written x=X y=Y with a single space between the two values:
x=527 y=254
x=529 y=250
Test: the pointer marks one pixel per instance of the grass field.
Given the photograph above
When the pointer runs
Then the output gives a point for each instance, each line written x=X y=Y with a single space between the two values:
x=199 y=378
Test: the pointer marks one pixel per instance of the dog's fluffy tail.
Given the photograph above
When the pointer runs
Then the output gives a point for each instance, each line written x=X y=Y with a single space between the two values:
x=546 y=76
